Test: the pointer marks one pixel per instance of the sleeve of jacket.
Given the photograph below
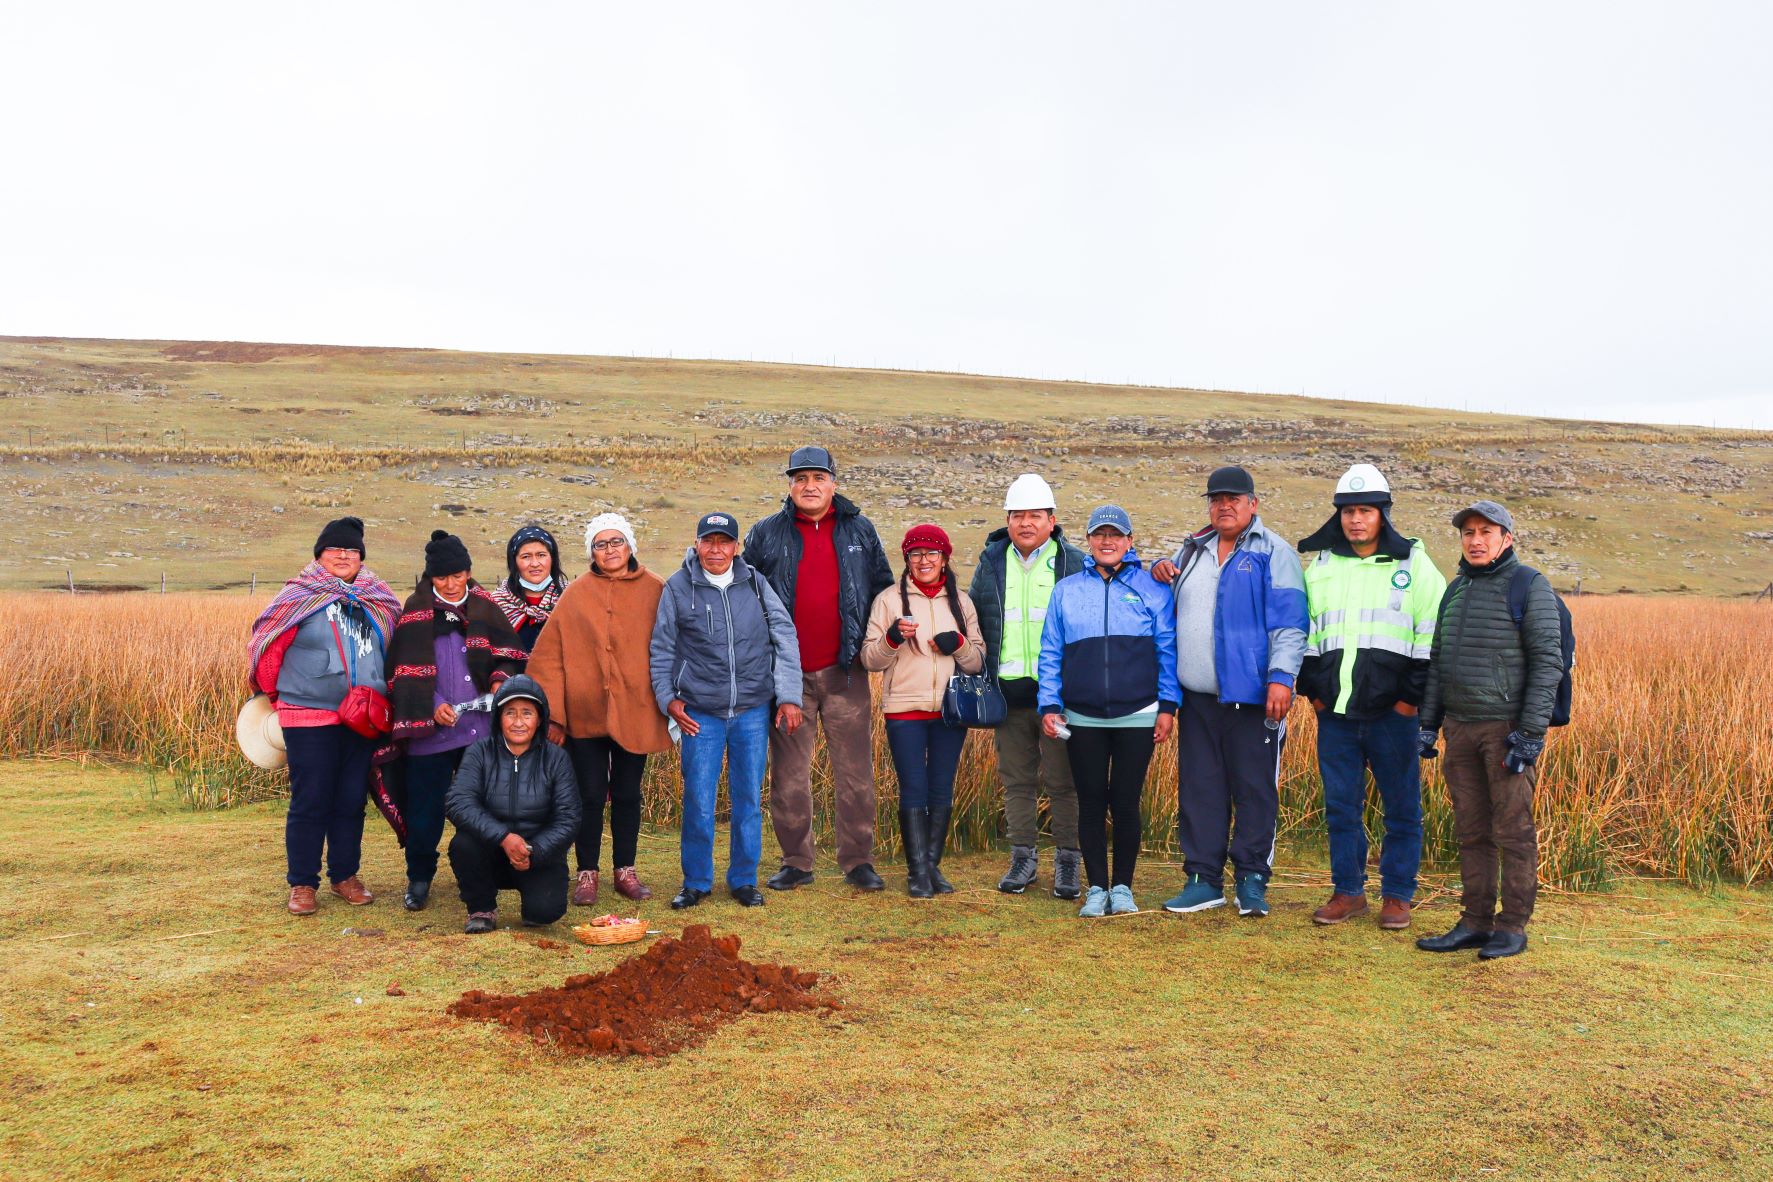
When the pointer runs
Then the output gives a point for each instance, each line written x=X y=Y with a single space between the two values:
x=787 y=643
x=1429 y=716
x=662 y=651
x=465 y=802
x=1542 y=639
x=877 y=653
x=563 y=824
x=1427 y=585
x=1169 y=686
x=970 y=657
x=880 y=570
x=547 y=665
x=1285 y=612
x=1052 y=655
x=980 y=590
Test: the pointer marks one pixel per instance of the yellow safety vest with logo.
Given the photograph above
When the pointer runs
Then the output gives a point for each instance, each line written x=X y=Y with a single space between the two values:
x=1377 y=604
x=1025 y=597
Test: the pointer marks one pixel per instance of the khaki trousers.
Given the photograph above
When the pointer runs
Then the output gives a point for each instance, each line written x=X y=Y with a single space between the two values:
x=1029 y=763
x=835 y=700
x=1492 y=814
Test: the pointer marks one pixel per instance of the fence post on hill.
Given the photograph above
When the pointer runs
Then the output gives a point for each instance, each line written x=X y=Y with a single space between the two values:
x=255 y=583
x=70 y=580
x=163 y=582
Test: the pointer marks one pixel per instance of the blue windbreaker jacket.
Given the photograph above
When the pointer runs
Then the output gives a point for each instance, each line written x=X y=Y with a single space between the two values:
x=1260 y=619
x=1108 y=647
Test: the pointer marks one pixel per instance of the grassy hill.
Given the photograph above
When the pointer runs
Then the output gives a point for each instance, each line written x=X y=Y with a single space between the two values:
x=210 y=462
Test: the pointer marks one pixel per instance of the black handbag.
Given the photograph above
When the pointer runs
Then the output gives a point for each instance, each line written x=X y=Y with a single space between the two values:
x=973 y=700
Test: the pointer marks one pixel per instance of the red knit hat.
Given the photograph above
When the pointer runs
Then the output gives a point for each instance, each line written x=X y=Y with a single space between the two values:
x=927 y=537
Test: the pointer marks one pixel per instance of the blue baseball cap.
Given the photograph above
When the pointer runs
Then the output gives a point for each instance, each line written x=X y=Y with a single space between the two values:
x=1112 y=515
x=718 y=523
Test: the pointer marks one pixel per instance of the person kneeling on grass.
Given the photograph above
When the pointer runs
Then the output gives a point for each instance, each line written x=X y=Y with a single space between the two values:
x=516 y=808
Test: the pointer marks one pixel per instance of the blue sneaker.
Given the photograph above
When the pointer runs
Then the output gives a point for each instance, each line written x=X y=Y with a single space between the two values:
x=1198 y=895
x=1120 y=901
x=1095 y=904
x=1252 y=895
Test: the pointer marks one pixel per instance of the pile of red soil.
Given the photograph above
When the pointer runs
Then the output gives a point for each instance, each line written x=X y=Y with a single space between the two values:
x=672 y=996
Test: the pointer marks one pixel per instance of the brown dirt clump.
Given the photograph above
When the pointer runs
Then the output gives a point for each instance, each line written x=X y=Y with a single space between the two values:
x=672 y=996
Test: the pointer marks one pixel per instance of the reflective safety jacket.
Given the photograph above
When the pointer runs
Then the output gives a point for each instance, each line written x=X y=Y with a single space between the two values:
x=1372 y=629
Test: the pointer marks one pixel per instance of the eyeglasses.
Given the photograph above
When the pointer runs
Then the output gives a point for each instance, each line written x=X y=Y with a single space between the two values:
x=337 y=551
x=611 y=544
x=923 y=555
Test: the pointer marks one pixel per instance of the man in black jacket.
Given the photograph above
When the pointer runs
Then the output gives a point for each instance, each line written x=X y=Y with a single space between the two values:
x=825 y=561
x=1492 y=681
x=1012 y=582
x=516 y=807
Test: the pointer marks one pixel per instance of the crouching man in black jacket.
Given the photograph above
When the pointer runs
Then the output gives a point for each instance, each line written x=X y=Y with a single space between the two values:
x=515 y=804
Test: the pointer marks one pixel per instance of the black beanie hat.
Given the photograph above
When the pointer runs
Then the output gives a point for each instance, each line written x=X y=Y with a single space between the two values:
x=445 y=555
x=346 y=534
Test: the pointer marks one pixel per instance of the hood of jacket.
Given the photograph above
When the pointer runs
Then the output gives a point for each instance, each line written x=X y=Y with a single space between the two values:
x=520 y=686
x=1130 y=562
x=1331 y=537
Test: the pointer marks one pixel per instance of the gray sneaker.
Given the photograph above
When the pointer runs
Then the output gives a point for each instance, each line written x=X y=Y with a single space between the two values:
x=1120 y=901
x=1095 y=904
x=1067 y=874
x=1024 y=865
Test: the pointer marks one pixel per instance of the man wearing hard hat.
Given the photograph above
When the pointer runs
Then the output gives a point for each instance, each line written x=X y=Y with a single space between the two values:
x=1012 y=582
x=1373 y=595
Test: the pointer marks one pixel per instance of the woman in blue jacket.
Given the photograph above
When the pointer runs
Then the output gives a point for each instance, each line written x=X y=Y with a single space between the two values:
x=1108 y=686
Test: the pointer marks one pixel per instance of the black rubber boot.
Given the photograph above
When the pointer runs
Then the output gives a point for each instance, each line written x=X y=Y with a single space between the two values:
x=938 y=843
x=418 y=893
x=914 y=831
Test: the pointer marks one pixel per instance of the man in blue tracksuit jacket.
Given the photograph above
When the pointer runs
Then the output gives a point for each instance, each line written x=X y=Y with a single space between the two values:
x=1240 y=638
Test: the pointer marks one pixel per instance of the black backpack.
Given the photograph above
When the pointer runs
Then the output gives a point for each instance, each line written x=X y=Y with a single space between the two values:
x=1518 y=582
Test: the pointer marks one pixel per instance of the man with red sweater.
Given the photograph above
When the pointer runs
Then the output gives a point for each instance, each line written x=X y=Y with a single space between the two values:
x=826 y=562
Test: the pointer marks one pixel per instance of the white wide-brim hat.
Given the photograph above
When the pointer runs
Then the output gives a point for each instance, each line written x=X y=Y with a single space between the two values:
x=260 y=734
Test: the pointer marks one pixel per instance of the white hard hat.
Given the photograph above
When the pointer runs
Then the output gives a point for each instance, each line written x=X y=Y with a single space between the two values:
x=1029 y=491
x=1363 y=484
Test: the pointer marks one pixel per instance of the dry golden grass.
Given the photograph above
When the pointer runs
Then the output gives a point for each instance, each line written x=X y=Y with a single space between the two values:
x=1667 y=768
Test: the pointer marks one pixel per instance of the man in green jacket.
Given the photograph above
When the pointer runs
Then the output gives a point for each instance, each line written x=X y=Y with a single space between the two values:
x=1492 y=683
x=1373 y=596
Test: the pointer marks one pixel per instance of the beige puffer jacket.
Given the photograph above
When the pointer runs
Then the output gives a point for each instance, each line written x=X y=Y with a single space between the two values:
x=917 y=673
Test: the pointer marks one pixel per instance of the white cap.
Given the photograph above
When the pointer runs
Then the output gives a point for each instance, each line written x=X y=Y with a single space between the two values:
x=1029 y=491
x=1363 y=484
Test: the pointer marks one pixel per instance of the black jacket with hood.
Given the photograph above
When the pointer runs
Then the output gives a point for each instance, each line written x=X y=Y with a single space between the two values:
x=534 y=795
x=773 y=547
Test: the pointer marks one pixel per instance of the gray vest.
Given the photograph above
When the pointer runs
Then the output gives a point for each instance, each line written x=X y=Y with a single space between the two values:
x=315 y=674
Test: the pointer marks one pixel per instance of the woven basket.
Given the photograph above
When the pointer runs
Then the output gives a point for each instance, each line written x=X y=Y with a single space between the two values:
x=625 y=933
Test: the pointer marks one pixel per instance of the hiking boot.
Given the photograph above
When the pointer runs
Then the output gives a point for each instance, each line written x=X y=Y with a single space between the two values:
x=863 y=878
x=481 y=921
x=1341 y=907
x=1503 y=944
x=787 y=878
x=1024 y=867
x=914 y=831
x=585 y=889
x=1095 y=904
x=1459 y=937
x=352 y=891
x=1120 y=900
x=418 y=893
x=939 y=819
x=629 y=886
x=1067 y=874
x=302 y=901
x=1394 y=914
x=1252 y=895
x=1198 y=895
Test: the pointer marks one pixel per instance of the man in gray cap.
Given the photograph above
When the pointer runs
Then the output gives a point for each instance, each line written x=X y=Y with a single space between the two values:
x=1493 y=680
x=824 y=559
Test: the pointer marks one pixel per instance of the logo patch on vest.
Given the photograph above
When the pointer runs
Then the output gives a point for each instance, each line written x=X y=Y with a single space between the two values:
x=1401 y=579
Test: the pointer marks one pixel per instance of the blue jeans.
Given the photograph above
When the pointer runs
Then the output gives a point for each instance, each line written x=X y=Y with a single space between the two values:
x=744 y=742
x=1346 y=748
x=925 y=754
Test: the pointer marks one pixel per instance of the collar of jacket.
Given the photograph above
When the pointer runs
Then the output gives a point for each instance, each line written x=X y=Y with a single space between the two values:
x=1495 y=567
x=1330 y=537
x=1131 y=562
x=1001 y=535
x=633 y=570
x=841 y=508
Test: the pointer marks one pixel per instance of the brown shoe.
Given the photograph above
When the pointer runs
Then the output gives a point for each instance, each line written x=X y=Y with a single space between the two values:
x=585 y=889
x=1339 y=908
x=628 y=884
x=302 y=901
x=353 y=891
x=1394 y=914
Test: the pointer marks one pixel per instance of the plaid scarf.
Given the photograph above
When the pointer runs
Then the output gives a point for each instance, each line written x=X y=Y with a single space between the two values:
x=314 y=590
x=494 y=653
x=519 y=610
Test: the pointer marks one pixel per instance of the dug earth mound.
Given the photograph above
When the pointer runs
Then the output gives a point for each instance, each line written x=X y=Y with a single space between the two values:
x=673 y=996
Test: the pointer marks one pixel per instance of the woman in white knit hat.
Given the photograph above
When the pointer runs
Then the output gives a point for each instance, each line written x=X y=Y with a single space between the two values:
x=591 y=659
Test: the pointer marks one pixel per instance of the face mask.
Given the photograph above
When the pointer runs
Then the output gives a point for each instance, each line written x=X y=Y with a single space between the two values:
x=537 y=587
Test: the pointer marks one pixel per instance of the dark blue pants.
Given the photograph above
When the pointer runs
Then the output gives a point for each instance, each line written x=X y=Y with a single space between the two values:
x=926 y=753
x=427 y=782
x=1228 y=763
x=328 y=785
x=1346 y=748
x=482 y=870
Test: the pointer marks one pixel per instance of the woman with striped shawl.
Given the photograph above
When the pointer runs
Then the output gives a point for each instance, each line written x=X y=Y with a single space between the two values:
x=528 y=595
x=324 y=633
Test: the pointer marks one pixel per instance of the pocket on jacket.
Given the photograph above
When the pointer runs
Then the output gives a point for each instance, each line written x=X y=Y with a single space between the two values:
x=1378 y=681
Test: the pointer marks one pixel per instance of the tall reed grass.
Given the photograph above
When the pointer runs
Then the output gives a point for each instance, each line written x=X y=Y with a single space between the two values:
x=1666 y=769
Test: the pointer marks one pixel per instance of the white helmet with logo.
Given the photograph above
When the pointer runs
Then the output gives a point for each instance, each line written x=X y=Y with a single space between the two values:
x=1362 y=484
x=1029 y=491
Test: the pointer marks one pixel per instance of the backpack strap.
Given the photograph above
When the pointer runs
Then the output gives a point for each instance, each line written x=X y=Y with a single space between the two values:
x=1518 y=584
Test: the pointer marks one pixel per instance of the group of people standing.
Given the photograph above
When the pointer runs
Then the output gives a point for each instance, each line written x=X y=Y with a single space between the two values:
x=520 y=713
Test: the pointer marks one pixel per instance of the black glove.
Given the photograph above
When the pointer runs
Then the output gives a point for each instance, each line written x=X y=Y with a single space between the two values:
x=1425 y=743
x=894 y=636
x=1523 y=752
x=946 y=642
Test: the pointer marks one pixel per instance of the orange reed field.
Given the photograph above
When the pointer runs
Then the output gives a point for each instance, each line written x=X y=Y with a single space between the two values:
x=1666 y=768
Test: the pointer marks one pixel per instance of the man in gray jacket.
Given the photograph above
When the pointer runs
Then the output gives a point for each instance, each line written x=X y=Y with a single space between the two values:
x=1492 y=681
x=723 y=649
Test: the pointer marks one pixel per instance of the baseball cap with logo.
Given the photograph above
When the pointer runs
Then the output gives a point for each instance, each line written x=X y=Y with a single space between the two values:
x=1112 y=516
x=815 y=459
x=718 y=523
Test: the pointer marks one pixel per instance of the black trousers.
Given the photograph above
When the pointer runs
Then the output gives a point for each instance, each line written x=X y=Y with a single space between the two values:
x=1108 y=767
x=1229 y=765
x=606 y=771
x=482 y=870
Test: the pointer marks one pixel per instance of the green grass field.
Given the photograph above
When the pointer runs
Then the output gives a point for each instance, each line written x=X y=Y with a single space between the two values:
x=165 y=1019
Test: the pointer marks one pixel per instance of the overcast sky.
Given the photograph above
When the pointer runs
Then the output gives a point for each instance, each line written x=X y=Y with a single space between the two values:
x=1558 y=208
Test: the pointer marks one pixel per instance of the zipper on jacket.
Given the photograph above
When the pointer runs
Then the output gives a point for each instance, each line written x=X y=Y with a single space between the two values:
x=732 y=656
x=1106 y=664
